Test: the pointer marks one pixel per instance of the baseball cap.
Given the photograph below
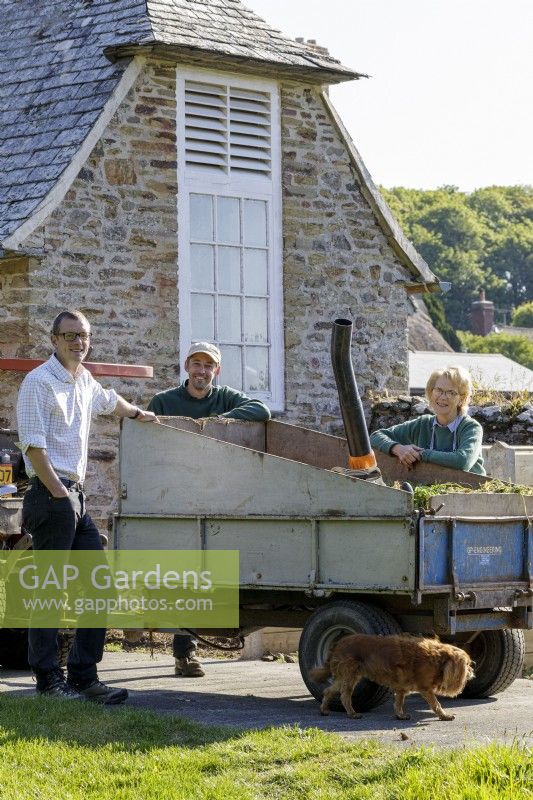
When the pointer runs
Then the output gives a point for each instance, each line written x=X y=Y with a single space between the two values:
x=209 y=349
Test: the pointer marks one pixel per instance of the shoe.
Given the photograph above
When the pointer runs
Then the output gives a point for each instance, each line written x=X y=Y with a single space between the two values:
x=98 y=692
x=53 y=684
x=188 y=668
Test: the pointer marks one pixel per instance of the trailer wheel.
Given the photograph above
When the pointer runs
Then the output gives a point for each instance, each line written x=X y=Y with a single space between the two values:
x=499 y=657
x=330 y=623
x=14 y=648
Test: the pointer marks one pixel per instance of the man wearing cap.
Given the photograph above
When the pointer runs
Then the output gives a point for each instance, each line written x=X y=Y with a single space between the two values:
x=199 y=398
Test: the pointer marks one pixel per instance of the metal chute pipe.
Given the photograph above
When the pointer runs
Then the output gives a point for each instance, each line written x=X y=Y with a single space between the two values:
x=361 y=454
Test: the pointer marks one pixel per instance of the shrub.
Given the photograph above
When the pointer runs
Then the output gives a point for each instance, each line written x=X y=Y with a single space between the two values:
x=518 y=348
x=523 y=316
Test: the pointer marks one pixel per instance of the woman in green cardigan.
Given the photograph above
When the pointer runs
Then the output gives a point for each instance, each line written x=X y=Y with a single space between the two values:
x=448 y=437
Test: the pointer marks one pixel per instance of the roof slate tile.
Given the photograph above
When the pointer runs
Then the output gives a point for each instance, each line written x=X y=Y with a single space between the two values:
x=55 y=78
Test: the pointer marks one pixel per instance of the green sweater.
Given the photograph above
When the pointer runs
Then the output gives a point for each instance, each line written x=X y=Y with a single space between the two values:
x=222 y=401
x=467 y=455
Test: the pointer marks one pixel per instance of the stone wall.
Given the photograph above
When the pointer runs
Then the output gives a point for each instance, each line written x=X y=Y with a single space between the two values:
x=110 y=250
x=14 y=326
x=509 y=422
x=14 y=307
x=337 y=263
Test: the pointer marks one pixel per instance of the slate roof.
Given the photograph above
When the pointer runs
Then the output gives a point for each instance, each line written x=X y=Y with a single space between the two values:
x=489 y=370
x=55 y=78
x=512 y=331
x=227 y=27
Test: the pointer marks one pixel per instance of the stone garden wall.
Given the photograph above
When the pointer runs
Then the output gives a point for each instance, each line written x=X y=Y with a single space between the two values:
x=504 y=421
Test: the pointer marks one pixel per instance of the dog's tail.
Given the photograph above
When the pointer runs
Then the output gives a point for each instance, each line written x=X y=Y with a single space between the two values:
x=321 y=674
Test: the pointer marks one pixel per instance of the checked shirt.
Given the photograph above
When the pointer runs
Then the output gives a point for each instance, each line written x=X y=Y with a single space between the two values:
x=54 y=412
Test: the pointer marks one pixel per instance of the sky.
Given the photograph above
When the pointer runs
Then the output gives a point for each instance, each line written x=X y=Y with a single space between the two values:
x=450 y=98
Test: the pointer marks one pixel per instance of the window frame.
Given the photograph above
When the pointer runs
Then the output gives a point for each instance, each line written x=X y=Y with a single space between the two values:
x=215 y=182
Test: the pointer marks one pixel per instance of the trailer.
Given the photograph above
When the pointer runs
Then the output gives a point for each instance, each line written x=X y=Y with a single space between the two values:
x=331 y=550
x=328 y=552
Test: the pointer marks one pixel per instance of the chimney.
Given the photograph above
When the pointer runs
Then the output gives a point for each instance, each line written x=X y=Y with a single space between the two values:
x=482 y=315
x=312 y=43
x=319 y=50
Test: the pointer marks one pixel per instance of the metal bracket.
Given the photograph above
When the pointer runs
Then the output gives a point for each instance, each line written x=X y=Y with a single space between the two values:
x=314 y=576
x=124 y=491
x=461 y=597
x=458 y=595
x=451 y=555
x=417 y=528
x=529 y=553
x=443 y=621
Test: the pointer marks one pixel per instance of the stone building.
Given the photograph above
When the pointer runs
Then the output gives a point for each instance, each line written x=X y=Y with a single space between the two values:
x=176 y=169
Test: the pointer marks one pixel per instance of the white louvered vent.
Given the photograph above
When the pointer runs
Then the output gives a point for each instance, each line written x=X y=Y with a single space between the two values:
x=227 y=128
x=249 y=129
x=206 y=140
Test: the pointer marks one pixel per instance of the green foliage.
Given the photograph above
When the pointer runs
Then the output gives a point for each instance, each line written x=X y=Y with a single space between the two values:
x=518 y=348
x=483 y=239
x=52 y=749
x=511 y=257
x=423 y=494
x=523 y=316
x=435 y=307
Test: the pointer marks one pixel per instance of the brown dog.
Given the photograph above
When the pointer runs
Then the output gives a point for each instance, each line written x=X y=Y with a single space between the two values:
x=405 y=664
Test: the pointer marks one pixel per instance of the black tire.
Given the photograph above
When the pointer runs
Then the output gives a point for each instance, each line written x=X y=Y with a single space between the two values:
x=14 y=648
x=325 y=627
x=499 y=657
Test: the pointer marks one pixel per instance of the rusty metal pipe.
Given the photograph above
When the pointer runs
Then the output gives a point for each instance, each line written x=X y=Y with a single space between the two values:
x=361 y=454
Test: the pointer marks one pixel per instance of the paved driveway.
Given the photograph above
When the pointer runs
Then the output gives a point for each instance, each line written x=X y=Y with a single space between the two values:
x=256 y=694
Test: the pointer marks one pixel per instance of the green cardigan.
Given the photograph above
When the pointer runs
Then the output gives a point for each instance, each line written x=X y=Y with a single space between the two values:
x=222 y=401
x=467 y=455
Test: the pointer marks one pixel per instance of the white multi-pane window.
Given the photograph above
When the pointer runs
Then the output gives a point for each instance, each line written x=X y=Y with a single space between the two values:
x=229 y=209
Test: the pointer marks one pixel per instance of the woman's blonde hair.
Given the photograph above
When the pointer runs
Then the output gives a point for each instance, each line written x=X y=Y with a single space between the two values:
x=460 y=378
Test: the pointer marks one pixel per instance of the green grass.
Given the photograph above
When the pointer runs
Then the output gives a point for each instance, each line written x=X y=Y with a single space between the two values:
x=57 y=751
x=116 y=647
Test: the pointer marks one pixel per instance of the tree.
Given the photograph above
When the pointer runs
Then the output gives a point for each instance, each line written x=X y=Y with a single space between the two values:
x=511 y=258
x=483 y=239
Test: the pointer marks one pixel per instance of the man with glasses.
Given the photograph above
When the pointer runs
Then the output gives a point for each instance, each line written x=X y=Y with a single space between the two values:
x=198 y=397
x=55 y=404
x=448 y=436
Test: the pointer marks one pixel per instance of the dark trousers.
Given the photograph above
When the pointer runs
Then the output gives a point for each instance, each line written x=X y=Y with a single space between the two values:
x=183 y=645
x=62 y=524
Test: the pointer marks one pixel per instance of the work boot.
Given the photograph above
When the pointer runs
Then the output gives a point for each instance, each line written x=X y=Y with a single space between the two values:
x=53 y=684
x=98 y=692
x=188 y=667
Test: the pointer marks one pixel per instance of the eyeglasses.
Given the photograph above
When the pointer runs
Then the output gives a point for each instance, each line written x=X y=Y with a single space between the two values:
x=448 y=393
x=71 y=336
